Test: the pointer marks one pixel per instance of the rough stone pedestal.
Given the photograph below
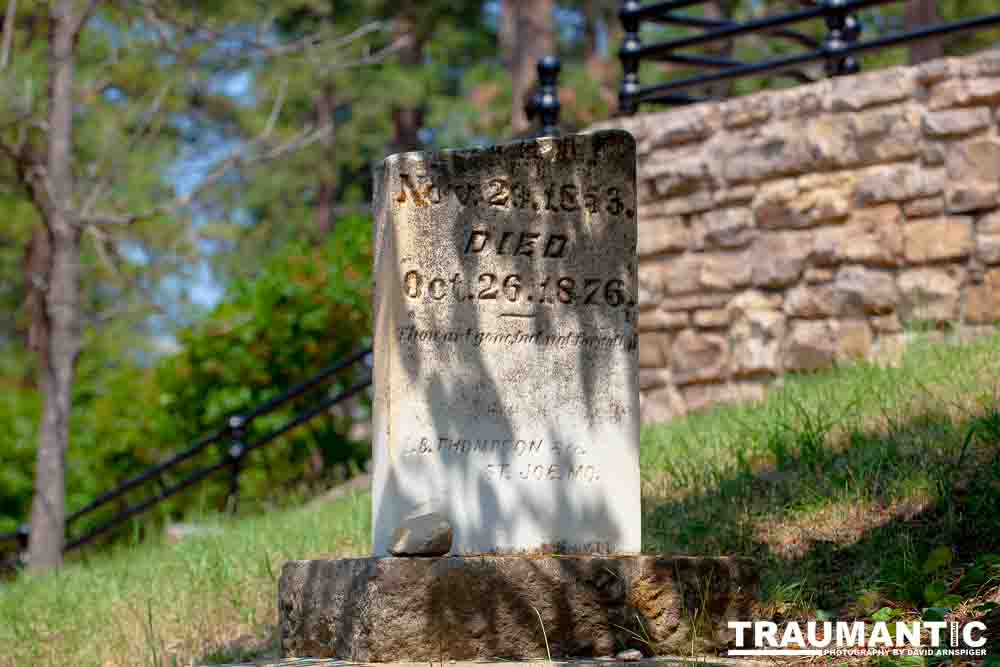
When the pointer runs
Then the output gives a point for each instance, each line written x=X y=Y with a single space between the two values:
x=462 y=608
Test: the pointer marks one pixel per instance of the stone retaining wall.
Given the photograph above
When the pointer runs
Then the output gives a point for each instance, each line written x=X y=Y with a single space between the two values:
x=792 y=230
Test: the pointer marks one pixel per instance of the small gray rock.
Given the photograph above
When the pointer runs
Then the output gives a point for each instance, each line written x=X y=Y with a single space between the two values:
x=423 y=535
x=631 y=655
x=176 y=532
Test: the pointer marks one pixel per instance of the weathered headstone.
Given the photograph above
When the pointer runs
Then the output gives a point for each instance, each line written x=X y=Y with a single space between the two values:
x=506 y=390
x=506 y=423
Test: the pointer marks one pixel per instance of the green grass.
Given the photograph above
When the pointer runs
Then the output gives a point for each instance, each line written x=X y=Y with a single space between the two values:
x=843 y=484
x=860 y=491
x=207 y=599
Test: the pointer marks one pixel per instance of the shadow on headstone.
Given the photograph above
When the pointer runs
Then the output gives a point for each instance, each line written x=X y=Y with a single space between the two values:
x=506 y=358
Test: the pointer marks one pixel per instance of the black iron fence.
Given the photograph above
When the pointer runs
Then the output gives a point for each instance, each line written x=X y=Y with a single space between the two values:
x=822 y=38
x=232 y=439
x=836 y=49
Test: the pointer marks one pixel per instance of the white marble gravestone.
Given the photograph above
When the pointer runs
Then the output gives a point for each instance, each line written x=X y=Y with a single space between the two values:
x=506 y=390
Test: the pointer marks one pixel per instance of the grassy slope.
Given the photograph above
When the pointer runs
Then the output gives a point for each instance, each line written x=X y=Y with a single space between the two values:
x=841 y=484
x=209 y=599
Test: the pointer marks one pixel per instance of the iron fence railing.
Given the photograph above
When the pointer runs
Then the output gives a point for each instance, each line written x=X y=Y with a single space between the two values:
x=836 y=50
x=835 y=45
x=232 y=435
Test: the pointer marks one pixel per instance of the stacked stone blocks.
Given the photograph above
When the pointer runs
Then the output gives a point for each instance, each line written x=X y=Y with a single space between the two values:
x=794 y=230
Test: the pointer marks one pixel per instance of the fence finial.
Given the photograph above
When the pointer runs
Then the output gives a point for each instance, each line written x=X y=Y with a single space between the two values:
x=844 y=30
x=545 y=101
x=629 y=55
x=23 y=535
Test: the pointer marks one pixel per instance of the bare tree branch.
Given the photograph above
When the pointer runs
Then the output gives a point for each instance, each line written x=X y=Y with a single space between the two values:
x=104 y=182
x=279 y=101
x=247 y=158
x=30 y=172
x=162 y=33
x=85 y=16
x=370 y=59
x=298 y=142
x=108 y=253
x=162 y=23
x=355 y=35
x=101 y=243
x=8 y=33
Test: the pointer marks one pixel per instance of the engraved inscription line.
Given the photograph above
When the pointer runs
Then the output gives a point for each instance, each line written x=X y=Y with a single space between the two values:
x=411 y=334
x=513 y=288
x=503 y=193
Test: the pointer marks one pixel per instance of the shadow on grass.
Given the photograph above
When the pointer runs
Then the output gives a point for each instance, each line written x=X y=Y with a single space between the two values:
x=263 y=644
x=842 y=524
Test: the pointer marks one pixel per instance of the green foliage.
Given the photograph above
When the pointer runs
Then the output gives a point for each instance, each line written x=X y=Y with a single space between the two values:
x=19 y=410
x=885 y=614
x=938 y=559
x=110 y=433
x=934 y=591
x=984 y=573
x=308 y=308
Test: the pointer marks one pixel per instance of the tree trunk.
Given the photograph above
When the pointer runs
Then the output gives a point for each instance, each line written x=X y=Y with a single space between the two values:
x=719 y=10
x=919 y=14
x=529 y=29
x=324 y=210
x=407 y=121
x=596 y=28
x=60 y=317
x=507 y=32
x=36 y=268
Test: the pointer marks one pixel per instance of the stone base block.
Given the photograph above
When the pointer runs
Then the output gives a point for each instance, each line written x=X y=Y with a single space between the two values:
x=513 y=607
x=659 y=661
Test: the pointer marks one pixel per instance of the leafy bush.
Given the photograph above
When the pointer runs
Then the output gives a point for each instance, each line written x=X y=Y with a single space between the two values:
x=307 y=308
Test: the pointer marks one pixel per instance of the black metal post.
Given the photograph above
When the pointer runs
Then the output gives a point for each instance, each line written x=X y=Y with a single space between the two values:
x=23 y=534
x=544 y=103
x=234 y=454
x=843 y=31
x=231 y=437
x=629 y=55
